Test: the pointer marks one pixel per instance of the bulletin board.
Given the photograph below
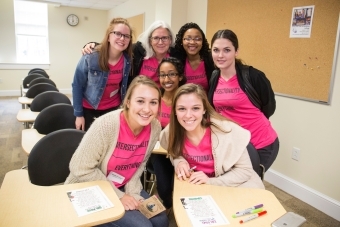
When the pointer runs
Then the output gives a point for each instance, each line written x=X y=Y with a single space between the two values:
x=301 y=68
x=137 y=24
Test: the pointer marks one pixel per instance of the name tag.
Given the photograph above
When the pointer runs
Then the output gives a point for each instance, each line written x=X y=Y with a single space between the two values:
x=115 y=177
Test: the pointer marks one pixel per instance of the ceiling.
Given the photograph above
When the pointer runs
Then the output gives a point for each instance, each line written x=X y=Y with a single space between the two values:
x=89 y=4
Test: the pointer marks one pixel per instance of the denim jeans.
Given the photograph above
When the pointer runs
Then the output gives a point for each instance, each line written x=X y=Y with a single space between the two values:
x=134 y=218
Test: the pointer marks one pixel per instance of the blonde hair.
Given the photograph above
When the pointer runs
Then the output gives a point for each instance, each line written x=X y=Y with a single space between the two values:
x=140 y=80
x=104 y=47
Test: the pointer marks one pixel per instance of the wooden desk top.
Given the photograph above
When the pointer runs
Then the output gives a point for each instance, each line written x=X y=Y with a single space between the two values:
x=29 y=137
x=230 y=200
x=25 y=204
x=25 y=100
x=26 y=115
x=159 y=150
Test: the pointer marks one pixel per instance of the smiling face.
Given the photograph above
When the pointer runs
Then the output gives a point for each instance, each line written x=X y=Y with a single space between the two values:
x=160 y=47
x=193 y=46
x=224 y=53
x=169 y=83
x=119 y=43
x=142 y=106
x=189 y=112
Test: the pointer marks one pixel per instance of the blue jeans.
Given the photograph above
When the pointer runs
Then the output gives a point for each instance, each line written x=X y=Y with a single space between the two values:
x=134 y=218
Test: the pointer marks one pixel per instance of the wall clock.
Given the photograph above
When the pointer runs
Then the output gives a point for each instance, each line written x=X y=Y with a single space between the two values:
x=72 y=20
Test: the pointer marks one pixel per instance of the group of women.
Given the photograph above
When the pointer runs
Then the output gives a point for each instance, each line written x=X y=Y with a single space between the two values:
x=162 y=82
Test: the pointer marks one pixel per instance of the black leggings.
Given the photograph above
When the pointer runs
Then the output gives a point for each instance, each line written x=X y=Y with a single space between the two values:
x=91 y=114
x=269 y=153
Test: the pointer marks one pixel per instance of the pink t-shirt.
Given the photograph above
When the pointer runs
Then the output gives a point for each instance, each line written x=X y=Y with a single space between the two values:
x=230 y=101
x=111 y=96
x=149 y=69
x=128 y=154
x=197 y=76
x=164 y=114
x=201 y=155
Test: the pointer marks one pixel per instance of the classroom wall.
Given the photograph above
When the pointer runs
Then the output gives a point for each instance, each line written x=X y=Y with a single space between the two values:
x=65 y=44
x=309 y=126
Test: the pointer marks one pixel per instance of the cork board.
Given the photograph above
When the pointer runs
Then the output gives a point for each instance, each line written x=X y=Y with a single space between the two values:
x=137 y=24
x=300 y=68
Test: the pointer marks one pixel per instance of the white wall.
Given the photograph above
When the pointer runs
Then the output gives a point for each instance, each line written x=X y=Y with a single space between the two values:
x=65 y=43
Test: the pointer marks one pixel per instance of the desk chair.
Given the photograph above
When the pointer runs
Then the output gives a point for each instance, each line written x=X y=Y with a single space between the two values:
x=39 y=103
x=42 y=80
x=35 y=69
x=255 y=160
x=55 y=117
x=39 y=88
x=149 y=177
x=27 y=80
x=41 y=72
x=48 y=162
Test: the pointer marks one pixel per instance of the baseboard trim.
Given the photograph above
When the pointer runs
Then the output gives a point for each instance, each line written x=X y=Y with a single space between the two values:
x=314 y=198
x=17 y=92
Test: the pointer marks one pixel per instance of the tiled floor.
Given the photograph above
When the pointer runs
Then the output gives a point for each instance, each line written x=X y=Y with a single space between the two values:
x=12 y=157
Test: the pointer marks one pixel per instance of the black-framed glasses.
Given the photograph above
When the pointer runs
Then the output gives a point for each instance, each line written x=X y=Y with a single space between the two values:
x=170 y=75
x=156 y=39
x=189 y=39
x=119 y=35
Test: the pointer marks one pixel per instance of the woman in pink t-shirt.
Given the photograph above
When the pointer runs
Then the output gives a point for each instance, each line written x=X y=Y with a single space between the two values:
x=117 y=147
x=243 y=94
x=171 y=76
x=199 y=138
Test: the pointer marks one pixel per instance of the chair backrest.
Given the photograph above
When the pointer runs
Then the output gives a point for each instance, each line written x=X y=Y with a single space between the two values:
x=41 y=72
x=29 y=78
x=38 y=89
x=255 y=160
x=47 y=99
x=42 y=80
x=55 y=117
x=48 y=162
x=35 y=69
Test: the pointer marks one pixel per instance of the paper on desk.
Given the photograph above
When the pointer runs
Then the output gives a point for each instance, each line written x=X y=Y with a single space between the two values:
x=89 y=200
x=203 y=211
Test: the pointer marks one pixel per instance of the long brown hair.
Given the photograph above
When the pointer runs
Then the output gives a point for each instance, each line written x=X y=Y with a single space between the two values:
x=176 y=131
x=104 y=47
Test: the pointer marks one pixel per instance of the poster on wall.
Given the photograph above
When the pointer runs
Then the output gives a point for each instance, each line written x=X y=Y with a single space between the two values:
x=301 y=24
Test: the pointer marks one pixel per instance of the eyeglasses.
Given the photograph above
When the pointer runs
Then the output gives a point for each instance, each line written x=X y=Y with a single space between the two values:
x=189 y=39
x=156 y=39
x=170 y=75
x=119 y=35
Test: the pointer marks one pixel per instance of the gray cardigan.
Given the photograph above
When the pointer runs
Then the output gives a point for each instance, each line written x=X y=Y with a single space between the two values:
x=232 y=164
x=89 y=162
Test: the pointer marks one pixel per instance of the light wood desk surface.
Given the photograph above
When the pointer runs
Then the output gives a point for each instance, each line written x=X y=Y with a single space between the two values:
x=29 y=137
x=25 y=204
x=26 y=115
x=159 y=150
x=230 y=200
x=25 y=100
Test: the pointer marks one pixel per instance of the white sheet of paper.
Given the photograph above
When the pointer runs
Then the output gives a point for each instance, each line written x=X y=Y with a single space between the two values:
x=89 y=200
x=203 y=211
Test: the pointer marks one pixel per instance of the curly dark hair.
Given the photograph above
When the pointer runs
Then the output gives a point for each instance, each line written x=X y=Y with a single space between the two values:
x=204 y=52
x=179 y=68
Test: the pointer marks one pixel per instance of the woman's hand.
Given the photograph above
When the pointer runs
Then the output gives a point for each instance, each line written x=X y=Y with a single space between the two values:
x=129 y=202
x=80 y=123
x=183 y=170
x=198 y=178
x=88 y=48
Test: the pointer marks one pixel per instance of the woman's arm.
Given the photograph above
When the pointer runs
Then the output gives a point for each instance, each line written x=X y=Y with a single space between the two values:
x=238 y=174
x=87 y=49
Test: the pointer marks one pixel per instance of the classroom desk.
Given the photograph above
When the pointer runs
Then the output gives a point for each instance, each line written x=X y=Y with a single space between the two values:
x=25 y=204
x=159 y=150
x=27 y=116
x=29 y=137
x=25 y=101
x=230 y=200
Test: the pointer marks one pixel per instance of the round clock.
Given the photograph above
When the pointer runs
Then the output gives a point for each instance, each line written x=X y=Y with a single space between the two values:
x=72 y=20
